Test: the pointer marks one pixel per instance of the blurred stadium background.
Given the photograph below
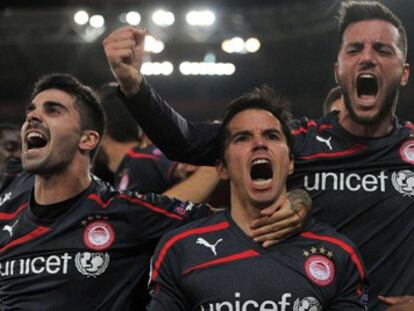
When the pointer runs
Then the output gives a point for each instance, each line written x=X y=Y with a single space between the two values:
x=201 y=55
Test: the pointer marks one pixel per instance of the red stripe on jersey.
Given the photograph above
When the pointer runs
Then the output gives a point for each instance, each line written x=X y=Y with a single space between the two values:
x=324 y=127
x=9 y=216
x=303 y=129
x=349 y=151
x=134 y=154
x=154 y=208
x=97 y=199
x=182 y=235
x=243 y=255
x=341 y=244
x=26 y=238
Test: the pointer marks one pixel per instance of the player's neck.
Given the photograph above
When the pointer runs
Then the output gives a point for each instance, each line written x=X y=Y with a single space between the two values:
x=58 y=187
x=244 y=213
x=379 y=129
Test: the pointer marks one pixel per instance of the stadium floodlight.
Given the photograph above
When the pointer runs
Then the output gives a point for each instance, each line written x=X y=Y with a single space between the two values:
x=163 y=18
x=156 y=68
x=97 y=21
x=81 y=17
x=252 y=45
x=200 y=18
x=153 y=45
x=205 y=68
x=133 y=18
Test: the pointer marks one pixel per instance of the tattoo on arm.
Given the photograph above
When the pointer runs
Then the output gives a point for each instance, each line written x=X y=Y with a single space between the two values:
x=298 y=198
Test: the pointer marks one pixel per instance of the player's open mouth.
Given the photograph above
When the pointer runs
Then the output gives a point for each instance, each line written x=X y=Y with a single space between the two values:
x=261 y=172
x=367 y=86
x=35 y=140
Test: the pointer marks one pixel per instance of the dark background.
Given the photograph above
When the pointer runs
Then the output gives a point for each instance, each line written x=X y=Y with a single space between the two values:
x=299 y=45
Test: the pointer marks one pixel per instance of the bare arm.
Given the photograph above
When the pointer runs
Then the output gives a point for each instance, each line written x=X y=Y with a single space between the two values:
x=197 y=187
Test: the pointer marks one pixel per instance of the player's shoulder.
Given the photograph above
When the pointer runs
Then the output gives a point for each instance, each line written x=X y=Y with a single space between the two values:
x=319 y=231
x=213 y=223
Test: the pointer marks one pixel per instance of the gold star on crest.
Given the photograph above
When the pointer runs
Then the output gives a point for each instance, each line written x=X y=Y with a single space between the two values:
x=313 y=250
x=322 y=250
x=305 y=253
x=329 y=254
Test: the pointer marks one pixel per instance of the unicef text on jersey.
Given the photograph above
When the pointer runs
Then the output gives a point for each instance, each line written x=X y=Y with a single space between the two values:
x=402 y=181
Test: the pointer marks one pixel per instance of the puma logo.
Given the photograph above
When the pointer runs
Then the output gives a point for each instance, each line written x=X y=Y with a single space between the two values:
x=326 y=141
x=201 y=241
x=9 y=228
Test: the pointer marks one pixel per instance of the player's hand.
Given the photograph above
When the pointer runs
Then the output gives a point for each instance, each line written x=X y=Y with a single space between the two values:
x=286 y=220
x=124 y=49
x=398 y=303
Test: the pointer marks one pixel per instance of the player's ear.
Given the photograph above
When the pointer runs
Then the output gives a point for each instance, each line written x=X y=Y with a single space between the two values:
x=222 y=169
x=89 y=140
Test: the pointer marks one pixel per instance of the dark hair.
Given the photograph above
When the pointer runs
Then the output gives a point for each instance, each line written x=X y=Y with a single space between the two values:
x=356 y=11
x=263 y=98
x=8 y=127
x=92 y=116
x=120 y=125
x=334 y=94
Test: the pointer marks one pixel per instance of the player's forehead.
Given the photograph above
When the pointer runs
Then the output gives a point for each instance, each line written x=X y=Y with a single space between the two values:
x=371 y=30
x=57 y=96
x=253 y=119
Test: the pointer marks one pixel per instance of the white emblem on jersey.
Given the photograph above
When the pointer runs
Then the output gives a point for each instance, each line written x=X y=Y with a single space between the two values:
x=5 y=198
x=403 y=182
x=98 y=235
x=325 y=141
x=91 y=264
x=407 y=152
x=9 y=228
x=201 y=241
x=320 y=269
x=307 y=304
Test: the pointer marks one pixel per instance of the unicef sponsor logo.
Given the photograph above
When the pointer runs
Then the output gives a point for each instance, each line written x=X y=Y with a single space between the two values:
x=285 y=303
x=403 y=182
x=91 y=264
x=307 y=304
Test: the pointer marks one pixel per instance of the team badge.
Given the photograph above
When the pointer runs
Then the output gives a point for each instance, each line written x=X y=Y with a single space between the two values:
x=407 y=152
x=98 y=235
x=91 y=264
x=307 y=304
x=403 y=182
x=320 y=269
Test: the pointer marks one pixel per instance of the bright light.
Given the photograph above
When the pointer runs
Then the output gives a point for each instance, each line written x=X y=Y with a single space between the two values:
x=252 y=45
x=153 y=45
x=193 y=68
x=163 y=18
x=200 y=18
x=238 y=45
x=133 y=18
x=81 y=17
x=156 y=69
x=97 y=21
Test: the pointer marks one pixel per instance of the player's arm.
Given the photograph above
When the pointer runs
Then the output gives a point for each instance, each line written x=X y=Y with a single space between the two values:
x=197 y=187
x=164 y=286
x=178 y=138
x=286 y=221
x=398 y=303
